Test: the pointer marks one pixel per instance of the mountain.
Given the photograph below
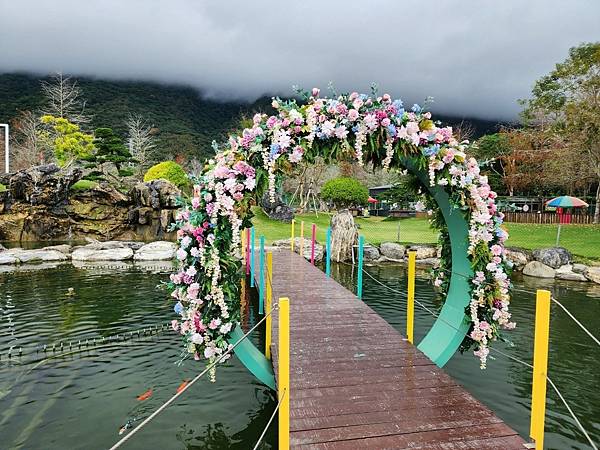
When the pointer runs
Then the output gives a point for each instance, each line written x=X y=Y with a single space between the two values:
x=187 y=123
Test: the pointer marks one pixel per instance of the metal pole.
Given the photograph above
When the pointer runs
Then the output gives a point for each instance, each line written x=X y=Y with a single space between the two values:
x=283 y=379
x=292 y=241
x=312 y=245
x=410 y=307
x=328 y=256
x=269 y=304
x=359 y=285
x=540 y=367
x=261 y=287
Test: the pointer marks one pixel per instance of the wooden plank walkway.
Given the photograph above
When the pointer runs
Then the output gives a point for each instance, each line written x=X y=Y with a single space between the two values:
x=356 y=383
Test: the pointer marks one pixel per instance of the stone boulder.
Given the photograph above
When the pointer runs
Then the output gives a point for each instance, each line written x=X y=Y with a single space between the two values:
x=424 y=251
x=91 y=253
x=553 y=256
x=42 y=185
x=592 y=274
x=579 y=268
x=276 y=210
x=518 y=258
x=63 y=248
x=7 y=259
x=428 y=262
x=566 y=273
x=30 y=256
x=392 y=250
x=156 y=251
x=155 y=194
x=539 y=270
x=370 y=252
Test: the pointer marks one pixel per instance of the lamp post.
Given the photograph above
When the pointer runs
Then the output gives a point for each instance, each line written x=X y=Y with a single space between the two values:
x=6 y=130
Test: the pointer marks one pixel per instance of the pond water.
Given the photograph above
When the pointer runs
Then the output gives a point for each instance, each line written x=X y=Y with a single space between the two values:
x=81 y=400
x=505 y=386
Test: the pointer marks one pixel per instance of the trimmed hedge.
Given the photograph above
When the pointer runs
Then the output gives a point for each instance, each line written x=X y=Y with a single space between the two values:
x=345 y=192
x=170 y=171
x=84 y=185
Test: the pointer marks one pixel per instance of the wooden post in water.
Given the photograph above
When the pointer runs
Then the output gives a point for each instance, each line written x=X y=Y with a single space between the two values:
x=410 y=305
x=261 y=275
x=252 y=257
x=312 y=245
x=269 y=304
x=283 y=381
x=359 y=284
x=328 y=256
x=540 y=367
x=292 y=241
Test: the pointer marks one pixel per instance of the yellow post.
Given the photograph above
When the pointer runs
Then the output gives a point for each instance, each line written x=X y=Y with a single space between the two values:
x=302 y=238
x=410 y=306
x=540 y=367
x=292 y=241
x=283 y=382
x=268 y=304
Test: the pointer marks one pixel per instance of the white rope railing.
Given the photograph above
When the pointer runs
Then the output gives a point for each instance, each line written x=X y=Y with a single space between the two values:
x=594 y=338
x=270 y=420
x=185 y=388
x=513 y=358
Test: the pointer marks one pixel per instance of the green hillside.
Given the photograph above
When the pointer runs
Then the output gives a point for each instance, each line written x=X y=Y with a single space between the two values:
x=186 y=122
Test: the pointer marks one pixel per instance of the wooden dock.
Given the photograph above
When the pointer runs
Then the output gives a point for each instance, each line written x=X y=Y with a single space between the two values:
x=356 y=383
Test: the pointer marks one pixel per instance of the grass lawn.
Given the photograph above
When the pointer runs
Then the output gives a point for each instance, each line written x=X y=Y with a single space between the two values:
x=581 y=240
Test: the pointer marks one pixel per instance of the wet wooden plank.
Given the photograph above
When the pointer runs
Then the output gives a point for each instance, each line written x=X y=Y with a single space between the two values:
x=356 y=383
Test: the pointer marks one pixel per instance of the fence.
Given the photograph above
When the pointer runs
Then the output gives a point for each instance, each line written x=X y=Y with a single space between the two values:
x=548 y=218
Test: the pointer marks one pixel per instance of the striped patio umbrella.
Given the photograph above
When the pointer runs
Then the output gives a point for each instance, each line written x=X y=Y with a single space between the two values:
x=566 y=201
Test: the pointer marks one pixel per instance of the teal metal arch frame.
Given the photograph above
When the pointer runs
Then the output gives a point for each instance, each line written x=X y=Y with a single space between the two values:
x=448 y=331
x=251 y=357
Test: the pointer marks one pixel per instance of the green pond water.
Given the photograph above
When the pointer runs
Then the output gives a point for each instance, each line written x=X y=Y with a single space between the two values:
x=80 y=401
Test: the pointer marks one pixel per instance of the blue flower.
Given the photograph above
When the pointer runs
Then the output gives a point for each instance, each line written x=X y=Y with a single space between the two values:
x=363 y=97
x=400 y=112
x=398 y=104
x=468 y=179
x=416 y=108
x=431 y=150
x=178 y=308
x=392 y=130
x=355 y=128
x=274 y=149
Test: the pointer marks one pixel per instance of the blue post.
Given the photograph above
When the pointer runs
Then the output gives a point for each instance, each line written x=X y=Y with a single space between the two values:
x=361 y=243
x=252 y=257
x=328 y=249
x=261 y=288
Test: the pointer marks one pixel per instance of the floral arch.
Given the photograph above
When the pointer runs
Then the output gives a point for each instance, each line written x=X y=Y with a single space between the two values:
x=371 y=129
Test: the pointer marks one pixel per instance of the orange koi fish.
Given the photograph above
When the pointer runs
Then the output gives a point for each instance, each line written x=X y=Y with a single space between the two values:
x=146 y=395
x=182 y=386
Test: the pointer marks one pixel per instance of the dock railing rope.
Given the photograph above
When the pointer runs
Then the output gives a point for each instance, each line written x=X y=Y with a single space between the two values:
x=199 y=376
x=540 y=370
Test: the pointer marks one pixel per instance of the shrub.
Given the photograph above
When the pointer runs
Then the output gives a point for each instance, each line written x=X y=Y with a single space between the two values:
x=170 y=171
x=126 y=172
x=2 y=188
x=84 y=185
x=344 y=192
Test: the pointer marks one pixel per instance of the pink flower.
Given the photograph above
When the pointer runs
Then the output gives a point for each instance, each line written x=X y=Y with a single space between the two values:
x=496 y=250
x=195 y=202
x=385 y=122
x=357 y=103
x=214 y=324
x=181 y=254
x=174 y=325
x=484 y=326
x=315 y=92
x=352 y=115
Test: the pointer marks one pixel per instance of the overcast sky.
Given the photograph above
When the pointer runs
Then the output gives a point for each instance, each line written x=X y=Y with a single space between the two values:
x=475 y=57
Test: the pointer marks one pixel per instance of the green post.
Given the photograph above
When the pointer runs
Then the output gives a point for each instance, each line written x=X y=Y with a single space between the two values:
x=261 y=288
x=328 y=249
x=359 y=287
x=252 y=257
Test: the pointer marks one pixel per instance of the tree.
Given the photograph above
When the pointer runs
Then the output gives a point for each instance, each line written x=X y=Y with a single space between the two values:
x=141 y=142
x=566 y=102
x=110 y=147
x=344 y=192
x=70 y=144
x=63 y=97
x=31 y=143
